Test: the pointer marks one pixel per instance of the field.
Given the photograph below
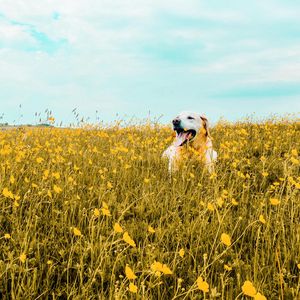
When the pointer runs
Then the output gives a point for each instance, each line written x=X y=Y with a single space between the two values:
x=93 y=214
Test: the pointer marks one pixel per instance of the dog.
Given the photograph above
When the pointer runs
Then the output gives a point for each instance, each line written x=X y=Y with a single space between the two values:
x=192 y=140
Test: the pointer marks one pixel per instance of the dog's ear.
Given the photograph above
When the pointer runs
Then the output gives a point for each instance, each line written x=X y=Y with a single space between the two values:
x=205 y=125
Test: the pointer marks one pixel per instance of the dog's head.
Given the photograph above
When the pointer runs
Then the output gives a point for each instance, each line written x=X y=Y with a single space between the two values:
x=188 y=126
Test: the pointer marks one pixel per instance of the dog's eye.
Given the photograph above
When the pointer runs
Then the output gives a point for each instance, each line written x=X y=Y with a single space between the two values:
x=190 y=118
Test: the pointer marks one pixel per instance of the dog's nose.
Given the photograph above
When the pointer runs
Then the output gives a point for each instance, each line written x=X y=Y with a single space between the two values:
x=176 y=121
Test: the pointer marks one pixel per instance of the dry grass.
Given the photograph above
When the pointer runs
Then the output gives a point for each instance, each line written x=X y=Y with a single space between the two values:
x=63 y=191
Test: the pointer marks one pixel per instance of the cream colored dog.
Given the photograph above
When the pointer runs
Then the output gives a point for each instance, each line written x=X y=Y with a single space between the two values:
x=192 y=140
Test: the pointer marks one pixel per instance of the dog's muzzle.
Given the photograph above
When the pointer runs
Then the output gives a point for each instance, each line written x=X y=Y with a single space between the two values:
x=183 y=135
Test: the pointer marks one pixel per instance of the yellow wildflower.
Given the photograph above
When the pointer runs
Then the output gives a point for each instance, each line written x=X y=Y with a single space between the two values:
x=96 y=212
x=151 y=229
x=234 y=202
x=57 y=189
x=295 y=161
x=159 y=267
x=210 y=207
x=220 y=201
x=132 y=288
x=76 y=231
x=202 y=285
x=262 y=219
x=118 y=228
x=56 y=175
x=227 y=268
x=181 y=252
x=12 y=179
x=128 y=239
x=259 y=296
x=295 y=152
x=7 y=193
x=274 y=201
x=129 y=273
x=39 y=160
x=248 y=289
x=225 y=239
x=7 y=236
x=22 y=257
x=106 y=212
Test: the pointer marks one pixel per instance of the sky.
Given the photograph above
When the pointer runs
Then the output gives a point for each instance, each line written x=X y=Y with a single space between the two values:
x=134 y=58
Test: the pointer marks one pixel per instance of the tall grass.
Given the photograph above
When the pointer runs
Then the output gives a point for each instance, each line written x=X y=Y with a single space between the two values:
x=64 y=190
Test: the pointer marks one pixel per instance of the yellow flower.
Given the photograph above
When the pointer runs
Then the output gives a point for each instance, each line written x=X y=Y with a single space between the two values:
x=106 y=212
x=151 y=229
x=7 y=193
x=104 y=205
x=264 y=174
x=166 y=270
x=159 y=267
x=49 y=194
x=146 y=180
x=181 y=252
x=76 y=231
x=220 y=201
x=274 y=201
x=118 y=228
x=49 y=262
x=202 y=285
x=227 y=268
x=23 y=257
x=263 y=159
x=192 y=175
x=96 y=212
x=129 y=273
x=57 y=189
x=128 y=239
x=259 y=296
x=248 y=289
x=213 y=176
x=262 y=219
x=210 y=207
x=295 y=161
x=298 y=265
x=12 y=179
x=295 y=152
x=132 y=288
x=46 y=174
x=109 y=185
x=56 y=175
x=39 y=160
x=7 y=236
x=234 y=202
x=225 y=239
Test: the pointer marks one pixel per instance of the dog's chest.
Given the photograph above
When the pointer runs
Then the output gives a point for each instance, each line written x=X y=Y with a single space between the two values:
x=187 y=153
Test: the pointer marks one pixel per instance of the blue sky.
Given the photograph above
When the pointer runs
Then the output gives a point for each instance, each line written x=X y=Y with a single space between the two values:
x=222 y=58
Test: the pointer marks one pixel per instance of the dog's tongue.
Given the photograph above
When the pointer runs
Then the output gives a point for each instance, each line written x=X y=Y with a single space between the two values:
x=181 y=137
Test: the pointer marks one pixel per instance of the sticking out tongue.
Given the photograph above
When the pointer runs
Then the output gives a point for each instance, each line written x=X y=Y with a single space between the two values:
x=181 y=138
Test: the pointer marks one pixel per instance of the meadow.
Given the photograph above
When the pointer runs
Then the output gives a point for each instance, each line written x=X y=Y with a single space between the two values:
x=92 y=213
